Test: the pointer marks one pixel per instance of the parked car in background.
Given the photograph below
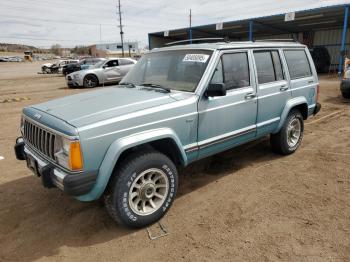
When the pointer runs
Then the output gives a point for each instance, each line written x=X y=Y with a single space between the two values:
x=11 y=59
x=345 y=85
x=176 y=105
x=81 y=65
x=104 y=72
x=15 y=59
x=55 y=68
x=321 y=58
x=4 y=59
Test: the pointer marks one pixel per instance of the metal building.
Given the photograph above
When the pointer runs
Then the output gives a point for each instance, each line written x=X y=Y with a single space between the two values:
x=318 y=27
x=114 y=49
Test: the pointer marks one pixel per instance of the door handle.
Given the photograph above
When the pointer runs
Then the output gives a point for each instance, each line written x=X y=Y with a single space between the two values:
x=310 y=82
x=250 y=96
x=284 y=88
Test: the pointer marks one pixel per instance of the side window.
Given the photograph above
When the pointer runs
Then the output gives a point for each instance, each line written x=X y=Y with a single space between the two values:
x=218 y=77
x=233 y=71
x=125 y=62
x=264 y=67
x=298 y=63
x=112 y=63
x=268 y=66
x=277 y=65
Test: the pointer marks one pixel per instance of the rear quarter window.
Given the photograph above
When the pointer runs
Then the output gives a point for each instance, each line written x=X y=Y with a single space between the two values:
x=298 y=63
x=125 y=62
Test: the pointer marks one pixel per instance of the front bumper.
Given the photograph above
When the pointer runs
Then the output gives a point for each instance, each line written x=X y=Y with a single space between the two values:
x=73 y=82
x=75 y=184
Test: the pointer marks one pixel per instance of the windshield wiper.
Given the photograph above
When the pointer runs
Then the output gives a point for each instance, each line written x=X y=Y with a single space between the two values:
x=156 y=86
x=127 y=84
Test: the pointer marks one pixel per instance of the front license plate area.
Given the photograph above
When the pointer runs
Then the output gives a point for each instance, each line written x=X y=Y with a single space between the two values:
x=32 y=165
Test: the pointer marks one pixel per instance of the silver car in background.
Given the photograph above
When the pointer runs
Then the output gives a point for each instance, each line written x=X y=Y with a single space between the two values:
x=104 y=72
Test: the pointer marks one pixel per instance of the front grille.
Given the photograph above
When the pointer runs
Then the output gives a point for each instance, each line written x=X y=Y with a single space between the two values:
x=69 y=78
x=39 y=138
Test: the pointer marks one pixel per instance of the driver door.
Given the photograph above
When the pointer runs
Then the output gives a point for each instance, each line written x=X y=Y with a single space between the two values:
x=111 y=71
x=226 y=121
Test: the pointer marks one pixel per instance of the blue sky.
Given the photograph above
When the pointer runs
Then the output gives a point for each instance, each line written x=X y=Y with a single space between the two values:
x=77 y=22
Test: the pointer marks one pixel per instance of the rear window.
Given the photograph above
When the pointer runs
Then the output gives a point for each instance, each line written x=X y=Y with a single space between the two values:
x=298 y=64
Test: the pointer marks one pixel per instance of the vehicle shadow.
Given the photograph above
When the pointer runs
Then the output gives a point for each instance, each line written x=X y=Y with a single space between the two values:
x=336 y=100
x=32 y=215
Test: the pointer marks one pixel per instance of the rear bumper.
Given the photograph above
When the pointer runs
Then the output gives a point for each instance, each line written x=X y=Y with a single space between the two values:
x=317 y=108
x=75 y=184
x=345 y=86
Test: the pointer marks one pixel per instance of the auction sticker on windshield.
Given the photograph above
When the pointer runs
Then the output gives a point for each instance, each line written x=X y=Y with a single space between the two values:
x=201 y=58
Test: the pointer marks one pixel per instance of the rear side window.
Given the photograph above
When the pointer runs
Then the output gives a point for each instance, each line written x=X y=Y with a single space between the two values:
x=233 y=71
x=277 y=65
x=268 y=66
x=298 y=64
x=125 y=62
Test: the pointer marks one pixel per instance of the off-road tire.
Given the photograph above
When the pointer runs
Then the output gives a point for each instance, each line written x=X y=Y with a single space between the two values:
x=90 y=81
x=116 y=197
x=279 y=141
x=346 y=94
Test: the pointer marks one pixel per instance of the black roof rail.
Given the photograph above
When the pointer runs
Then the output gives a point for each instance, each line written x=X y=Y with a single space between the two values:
x=276 y=40
x=196 y=40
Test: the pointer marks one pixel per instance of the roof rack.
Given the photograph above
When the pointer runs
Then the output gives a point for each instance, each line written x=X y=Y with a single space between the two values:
x=196 y=40
x=276 y=40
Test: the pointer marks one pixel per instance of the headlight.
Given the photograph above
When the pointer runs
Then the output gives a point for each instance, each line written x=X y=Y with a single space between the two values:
x=68 y=153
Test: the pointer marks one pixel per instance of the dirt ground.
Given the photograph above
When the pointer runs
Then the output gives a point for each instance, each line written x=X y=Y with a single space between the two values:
x=246 y=204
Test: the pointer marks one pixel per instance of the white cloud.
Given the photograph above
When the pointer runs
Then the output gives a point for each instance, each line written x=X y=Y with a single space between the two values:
x=73 y=22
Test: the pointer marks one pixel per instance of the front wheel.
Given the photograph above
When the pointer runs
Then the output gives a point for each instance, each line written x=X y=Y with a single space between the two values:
x=90 y=81
x=142 y=189
x=288 y=139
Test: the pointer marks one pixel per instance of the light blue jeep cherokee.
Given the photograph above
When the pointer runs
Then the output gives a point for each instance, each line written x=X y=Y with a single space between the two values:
x=177 y=105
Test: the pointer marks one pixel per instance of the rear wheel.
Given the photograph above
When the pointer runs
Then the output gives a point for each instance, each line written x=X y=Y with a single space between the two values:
x=90 y=81
x=288 y=139
x=142 y=189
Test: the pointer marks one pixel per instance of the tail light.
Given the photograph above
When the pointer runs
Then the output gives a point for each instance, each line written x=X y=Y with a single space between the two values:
x=317 y=92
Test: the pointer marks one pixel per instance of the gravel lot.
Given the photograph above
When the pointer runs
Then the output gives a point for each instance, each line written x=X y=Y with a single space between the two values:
x=246 y=204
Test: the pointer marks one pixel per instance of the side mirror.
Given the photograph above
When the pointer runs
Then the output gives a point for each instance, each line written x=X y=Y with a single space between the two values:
x=215 y=90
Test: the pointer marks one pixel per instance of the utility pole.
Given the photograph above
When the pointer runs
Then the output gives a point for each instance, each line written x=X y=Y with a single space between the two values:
x=190 y=26
x=121 y=27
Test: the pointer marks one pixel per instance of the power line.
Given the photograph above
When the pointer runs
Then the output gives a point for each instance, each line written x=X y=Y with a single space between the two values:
x=55 y=20
x=47 y=39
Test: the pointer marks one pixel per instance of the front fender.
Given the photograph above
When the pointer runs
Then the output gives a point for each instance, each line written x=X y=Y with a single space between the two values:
x=289 y=105
x=118 y=147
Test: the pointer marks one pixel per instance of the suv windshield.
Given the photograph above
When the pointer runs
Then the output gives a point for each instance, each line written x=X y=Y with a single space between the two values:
x=176 y=70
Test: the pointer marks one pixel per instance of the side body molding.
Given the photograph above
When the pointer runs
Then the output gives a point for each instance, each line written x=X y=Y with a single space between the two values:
x=118 y=147
x=289 y=105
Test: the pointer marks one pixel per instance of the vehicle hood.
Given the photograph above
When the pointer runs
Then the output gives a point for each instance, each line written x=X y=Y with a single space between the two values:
x=86 y=108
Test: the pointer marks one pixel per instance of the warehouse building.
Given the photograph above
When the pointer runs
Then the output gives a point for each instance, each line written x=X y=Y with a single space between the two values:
x=114 y=49
x=323 y=29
